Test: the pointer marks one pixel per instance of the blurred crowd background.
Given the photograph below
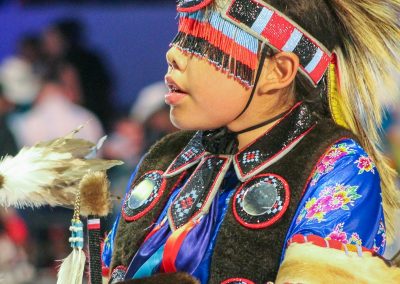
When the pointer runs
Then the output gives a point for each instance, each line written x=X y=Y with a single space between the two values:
x=98 y=63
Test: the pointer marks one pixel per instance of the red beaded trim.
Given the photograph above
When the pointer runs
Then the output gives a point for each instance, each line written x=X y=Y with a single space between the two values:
x=270 y=221
x=237 y=281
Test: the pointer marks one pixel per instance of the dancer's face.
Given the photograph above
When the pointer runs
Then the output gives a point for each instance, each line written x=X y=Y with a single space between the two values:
x=201 y=97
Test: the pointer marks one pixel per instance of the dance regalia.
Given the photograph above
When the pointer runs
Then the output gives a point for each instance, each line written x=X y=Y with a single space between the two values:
x=221 y=217
x=301 y=202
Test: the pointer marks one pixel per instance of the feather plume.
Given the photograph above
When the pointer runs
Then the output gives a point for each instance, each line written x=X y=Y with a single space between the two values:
x=368 y=62
x=48 y=173
x=95 y=196
x=72 y=268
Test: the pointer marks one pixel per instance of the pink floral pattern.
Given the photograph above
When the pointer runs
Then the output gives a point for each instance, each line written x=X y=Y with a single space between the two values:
x=339 y=235
x=327 y=163
x=329 y=199
x=365 y=164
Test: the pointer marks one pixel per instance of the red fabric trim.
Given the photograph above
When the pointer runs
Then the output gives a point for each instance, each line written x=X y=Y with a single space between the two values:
x=278 y=31
x=208 y=195
x=215 y=37
x=155 y=230
x=152 y=204
x=196 y=7
x=162 y=207
x=105 y=271
x=233 y=280
x=273 y=219
x=321 y=242
x=173 y=245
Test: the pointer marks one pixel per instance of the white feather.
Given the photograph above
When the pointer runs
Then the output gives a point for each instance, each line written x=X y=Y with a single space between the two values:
x=29 y=172
x=47 y=173
x=72 y=268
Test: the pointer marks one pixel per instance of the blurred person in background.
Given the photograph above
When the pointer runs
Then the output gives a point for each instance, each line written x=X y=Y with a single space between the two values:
x=63 y=40
x=54 y=112
x=152 y=112
x=14 y=265
x=20 y=83
x=8 y=145
x=19 y=88
x=30 y=49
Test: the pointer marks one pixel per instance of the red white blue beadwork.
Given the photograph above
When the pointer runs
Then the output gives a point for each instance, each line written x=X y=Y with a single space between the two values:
x=188 y=157
x=143 y=195
x=275 y=143
x=277 y=30
x=261 y=201
x=251 y=157
x=118 y=274
x=199 y=191
x=192 y=5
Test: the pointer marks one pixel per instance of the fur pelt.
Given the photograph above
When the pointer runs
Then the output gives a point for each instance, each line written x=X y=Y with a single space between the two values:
x=165 y=278
x=308 y=263
x=95 y=196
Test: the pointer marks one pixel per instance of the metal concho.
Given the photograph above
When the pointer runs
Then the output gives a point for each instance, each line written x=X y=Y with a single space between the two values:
x=143 y=195
x=261 y=201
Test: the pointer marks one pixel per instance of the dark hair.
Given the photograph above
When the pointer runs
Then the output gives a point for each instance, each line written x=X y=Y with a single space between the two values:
x=319 y=20
x=53 y=72
x=71 y=30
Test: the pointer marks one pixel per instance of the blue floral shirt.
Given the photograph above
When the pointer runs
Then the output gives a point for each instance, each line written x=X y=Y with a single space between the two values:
x=342 y=202
x=343 y=199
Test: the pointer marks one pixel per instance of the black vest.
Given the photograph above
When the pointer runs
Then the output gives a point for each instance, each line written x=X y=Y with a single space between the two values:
x=239 y=252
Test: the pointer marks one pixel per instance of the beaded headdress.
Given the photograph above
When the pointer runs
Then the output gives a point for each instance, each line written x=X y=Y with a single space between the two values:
x=358 y=71
x=230 y=38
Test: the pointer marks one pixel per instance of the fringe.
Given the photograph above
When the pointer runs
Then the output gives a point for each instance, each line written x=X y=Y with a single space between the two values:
x=227 y=47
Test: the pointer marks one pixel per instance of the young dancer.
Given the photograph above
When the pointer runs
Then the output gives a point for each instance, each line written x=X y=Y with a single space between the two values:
x=279 y=160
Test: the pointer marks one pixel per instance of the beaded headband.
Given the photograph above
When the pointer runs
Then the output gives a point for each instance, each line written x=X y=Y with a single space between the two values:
x=229 y=39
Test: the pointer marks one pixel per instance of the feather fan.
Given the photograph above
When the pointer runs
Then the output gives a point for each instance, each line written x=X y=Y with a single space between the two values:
x=49 y=172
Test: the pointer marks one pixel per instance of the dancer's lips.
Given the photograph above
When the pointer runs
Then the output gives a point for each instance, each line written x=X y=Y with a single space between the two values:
x=175 y=93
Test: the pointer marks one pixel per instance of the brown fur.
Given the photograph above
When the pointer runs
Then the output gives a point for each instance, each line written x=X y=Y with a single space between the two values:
x=307 y=263
x=1 y=181
x=165 y=278
x=95 y=196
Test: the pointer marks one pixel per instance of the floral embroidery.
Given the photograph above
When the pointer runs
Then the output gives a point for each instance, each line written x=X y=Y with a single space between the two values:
x=365 y=164
x=355 y=239
x=339 y=235
x=328 y=161
x=329 y=199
